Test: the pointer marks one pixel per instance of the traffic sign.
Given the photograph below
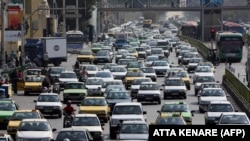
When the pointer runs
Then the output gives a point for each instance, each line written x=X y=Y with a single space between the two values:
x=73 y=15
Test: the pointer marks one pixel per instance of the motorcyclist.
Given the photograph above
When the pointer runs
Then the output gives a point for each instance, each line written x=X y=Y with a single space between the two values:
x=84 y=71
x=46 y=83
x=69 y=111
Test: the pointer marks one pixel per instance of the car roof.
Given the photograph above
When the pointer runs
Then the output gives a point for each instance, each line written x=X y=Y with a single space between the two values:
x=48 y=94
x=127 y=103
x=66 y=71
x=149 y=83
x=94 y=78
x=133 y=122
x=175 y=102
x=174 y=78
x=233 y=113
x=94 y=97
x=43 y=119
x=220 y=102
x=85 y=115
x=74 y=129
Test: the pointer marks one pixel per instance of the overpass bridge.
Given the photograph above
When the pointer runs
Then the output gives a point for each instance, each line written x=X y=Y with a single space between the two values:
x=210 y=10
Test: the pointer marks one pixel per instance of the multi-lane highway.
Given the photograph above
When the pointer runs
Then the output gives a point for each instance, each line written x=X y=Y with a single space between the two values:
x=26 y=102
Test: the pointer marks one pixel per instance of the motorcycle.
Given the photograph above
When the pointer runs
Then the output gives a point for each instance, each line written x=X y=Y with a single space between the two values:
x=56 y=88
x=68 y=119
x=83 y=78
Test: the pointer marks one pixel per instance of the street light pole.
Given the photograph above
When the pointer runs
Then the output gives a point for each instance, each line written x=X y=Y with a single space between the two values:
x=64 y=20
x=3 y=4
x=77 y=18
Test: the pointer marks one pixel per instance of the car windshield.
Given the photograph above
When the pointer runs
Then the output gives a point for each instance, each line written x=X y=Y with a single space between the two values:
x=94 y=102
x=108 y=66
x=34 y=79
x=220 y=108
x=194 y=60
x=174 y=82
x=56 y=70
x=72 y=136
x=68 y=75
x=33 y=126
x=170 y=121
x=149 y=87
x=174 y=108
x=4 y=106
x=123 y=62
x=118 y=69
x=179 y=74
x=91 y=68
x=25 y=115
x=86 y=121
x=210 y=86
x=206 y=64
x=118 y=95
x=122 y=52
x=162 y=63
x=103 y=74
x=152 y=58
x=48 y=98
x=134 y=129
x=109 y=89
x=139 y=81
x=162 y=43
x=204 y=79
x=102 y=53
x=203 y=69
x=156 y=51
x=94 y=82
x=216 y=92
x=140 y=49
x=148 y=70
x=234 y=119
x=131 y=50
x=97 y=45
x=135 y=74
x=134 y=65
x=127 y=109
x=74 y=86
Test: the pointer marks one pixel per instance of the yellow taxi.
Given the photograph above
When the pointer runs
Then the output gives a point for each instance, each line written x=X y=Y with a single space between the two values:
x=131 y=76
x=33 y=84
x=208 y=64
x=28 y=72
x=95 y=105
x=18 y=116
x=85 y=56
x=166 y=119
x=184 y=75
x=133 y=52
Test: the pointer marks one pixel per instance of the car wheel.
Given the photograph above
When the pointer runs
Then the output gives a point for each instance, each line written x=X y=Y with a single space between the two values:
x=200 y=110
x=184 y=97
x=159 y=101
x=112 y=134
x=60 y=115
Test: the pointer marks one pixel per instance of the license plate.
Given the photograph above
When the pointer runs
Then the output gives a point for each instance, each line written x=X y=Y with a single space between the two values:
x=175 y=93
x=149 y=98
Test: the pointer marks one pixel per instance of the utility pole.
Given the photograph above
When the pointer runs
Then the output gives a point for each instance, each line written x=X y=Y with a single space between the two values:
x=3 y=4
x=77 y=18
x=64 y=20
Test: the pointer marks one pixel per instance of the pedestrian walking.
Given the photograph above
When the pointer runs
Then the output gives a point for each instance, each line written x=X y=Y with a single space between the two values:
x=14 y=79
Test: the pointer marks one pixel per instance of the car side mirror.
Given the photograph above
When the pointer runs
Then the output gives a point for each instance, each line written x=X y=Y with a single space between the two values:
x=35 y=100
x=236 y=110
x=144 y=112
x=110 y=113
x=163 y=85
x=54 y=129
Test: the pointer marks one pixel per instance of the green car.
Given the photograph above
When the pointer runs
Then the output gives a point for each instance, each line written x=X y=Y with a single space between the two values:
x=74 y=91
x=7 y=108
x=175 y=107
x=96 y=47
x=134 y=66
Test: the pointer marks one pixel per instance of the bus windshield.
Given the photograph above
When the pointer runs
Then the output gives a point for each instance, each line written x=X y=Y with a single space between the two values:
x=231 y=47
x=74 y=38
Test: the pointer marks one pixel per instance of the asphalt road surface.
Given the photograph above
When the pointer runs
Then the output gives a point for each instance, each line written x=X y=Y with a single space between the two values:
x=26 y=102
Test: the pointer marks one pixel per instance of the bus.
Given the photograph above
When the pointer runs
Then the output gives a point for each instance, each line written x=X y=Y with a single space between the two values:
x=75 y=41
x=232 y=26
x=229 y=46
x=190 y=29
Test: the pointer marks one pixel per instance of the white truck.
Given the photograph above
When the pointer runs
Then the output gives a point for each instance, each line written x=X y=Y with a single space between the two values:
x=55 y=47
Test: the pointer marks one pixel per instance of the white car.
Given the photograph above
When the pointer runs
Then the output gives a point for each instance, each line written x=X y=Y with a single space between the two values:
x=133 y=130
x=110 y=82
x=160 y=67
x=174 y=87
x=150 y=59
x=193 y=63
x=136 y=85
x=205 y=78
x=123 y=112
x=208 y=95
x=234 y=118
x=118 y=72
x=49 y=104
x=149 y=91
x=215 y=109
x=67 y=76
x=203 y=70
x=94 y=85
x=35 y=129
x=91 y=122
x=105 y=75
x=150 y=73
x=157 y=52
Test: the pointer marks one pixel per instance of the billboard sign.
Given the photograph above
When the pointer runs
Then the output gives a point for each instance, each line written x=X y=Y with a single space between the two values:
x=12 y=35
